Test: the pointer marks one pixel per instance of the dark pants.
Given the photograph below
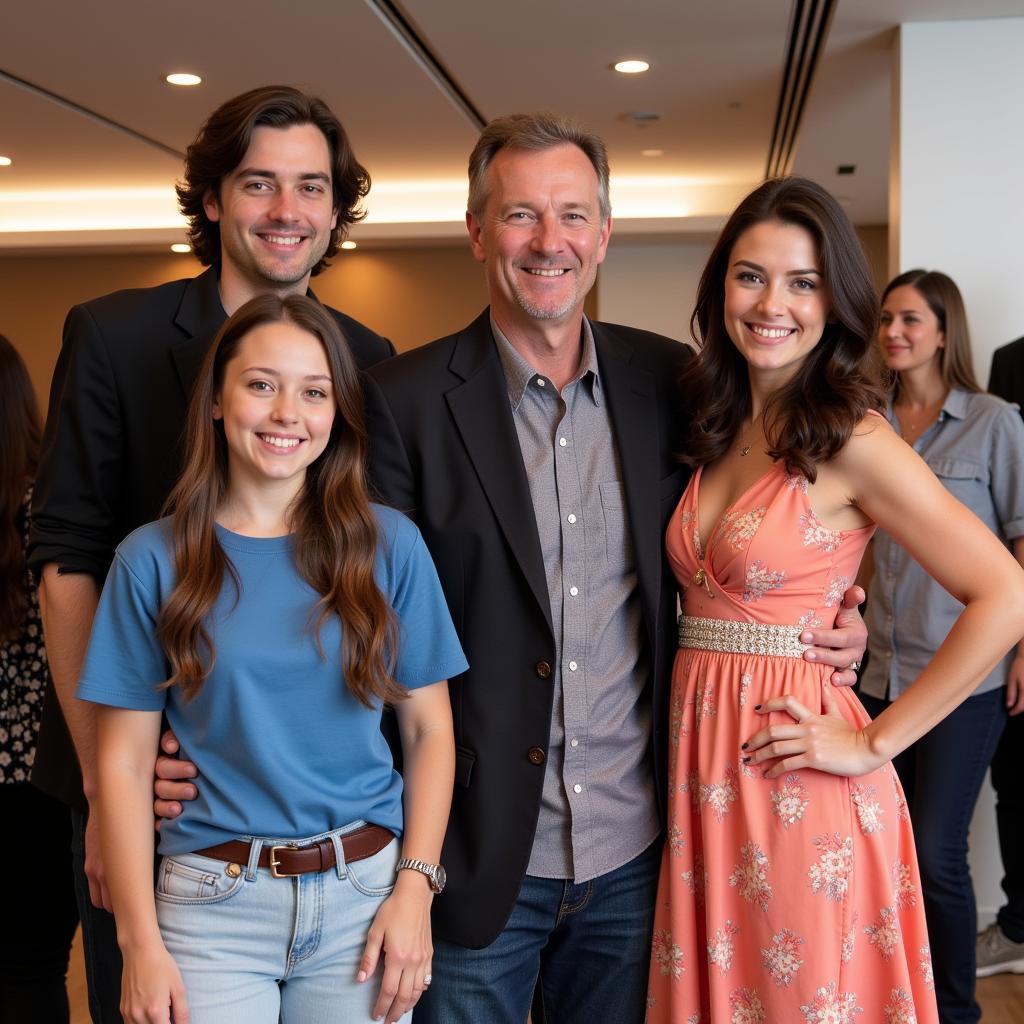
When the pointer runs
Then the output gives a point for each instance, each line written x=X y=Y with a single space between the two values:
x=589 y=945
x=1009 y=786
x=99 y=938
x=942 y=775
x=39 y=906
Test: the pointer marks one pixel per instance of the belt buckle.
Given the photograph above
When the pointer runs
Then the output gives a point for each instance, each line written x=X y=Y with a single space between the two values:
x=275 y=863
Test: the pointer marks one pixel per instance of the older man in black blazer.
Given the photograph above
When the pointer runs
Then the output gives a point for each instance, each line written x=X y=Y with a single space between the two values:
x=270 y=186
x=536 y=450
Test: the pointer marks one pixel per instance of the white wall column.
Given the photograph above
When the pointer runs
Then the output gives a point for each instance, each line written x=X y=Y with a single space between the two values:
x=957 y=205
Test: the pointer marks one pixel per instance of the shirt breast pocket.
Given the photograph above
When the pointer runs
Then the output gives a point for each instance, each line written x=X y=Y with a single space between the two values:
x=618 y=545
x=965 y=478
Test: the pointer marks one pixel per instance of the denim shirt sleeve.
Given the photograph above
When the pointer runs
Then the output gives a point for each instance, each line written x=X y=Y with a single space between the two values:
x=1007 y=471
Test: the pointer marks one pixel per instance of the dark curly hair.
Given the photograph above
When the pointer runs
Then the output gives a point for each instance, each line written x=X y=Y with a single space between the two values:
x=810 y=418
x=222 y=143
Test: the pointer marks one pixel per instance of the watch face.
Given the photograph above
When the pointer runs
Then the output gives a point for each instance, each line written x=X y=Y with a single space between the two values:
x=440 y=878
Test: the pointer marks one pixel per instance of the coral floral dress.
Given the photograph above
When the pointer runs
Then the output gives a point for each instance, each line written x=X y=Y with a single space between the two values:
x=781 y=901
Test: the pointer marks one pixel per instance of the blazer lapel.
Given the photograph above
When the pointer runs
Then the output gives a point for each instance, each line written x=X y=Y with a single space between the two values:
x=633 y=408
x=481 y=411
x=199 y=317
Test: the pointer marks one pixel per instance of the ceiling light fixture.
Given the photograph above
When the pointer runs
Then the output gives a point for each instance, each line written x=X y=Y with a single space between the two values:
x=348 y=244
x=5 y=161
x=181 y=247
x=631 y=67
x=183 y=78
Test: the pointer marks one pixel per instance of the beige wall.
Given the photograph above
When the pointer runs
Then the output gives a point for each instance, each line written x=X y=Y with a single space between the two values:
x=409 y=295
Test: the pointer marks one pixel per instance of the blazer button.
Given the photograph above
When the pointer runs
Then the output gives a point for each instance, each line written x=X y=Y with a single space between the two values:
x=536 y=755
x=543 y=669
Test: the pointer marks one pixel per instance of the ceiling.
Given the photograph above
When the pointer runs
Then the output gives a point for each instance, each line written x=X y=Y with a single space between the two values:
x=716 y=70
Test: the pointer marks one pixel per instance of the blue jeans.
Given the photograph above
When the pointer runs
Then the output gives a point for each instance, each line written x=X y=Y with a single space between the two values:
x=942 y=775
x=99 y=936
x=251 y=947
x=589 y=945
x=1009 y=787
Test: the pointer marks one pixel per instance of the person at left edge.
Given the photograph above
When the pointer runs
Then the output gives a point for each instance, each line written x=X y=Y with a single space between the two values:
x=270 y=186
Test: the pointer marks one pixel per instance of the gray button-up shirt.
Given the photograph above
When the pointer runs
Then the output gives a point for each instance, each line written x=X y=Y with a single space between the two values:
x=976 y=448
x=598 y=808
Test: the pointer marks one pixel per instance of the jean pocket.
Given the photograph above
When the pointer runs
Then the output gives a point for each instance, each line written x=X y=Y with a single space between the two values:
x=375 y=876
x=189 y=878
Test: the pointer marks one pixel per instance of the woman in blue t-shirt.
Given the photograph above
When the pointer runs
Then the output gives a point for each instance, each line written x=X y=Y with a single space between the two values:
x=270 y=617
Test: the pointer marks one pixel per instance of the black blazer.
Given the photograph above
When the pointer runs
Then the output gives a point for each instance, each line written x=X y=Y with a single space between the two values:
x=111 y=449
x=444 y=449
x=1007 y=377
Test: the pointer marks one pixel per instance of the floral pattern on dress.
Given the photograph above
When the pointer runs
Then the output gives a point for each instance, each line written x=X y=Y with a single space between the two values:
x=797 y=482
x=720 y=948
x=782 y=958
x=746 y=1007
x=850 y=941
x=790 y=800
x=750 y=875
x=668 y=955
x=745 y=680
x=696 y=879
x=884 y=934
x=738 y=528
x=869 y=810
x=830 y=1006
x=837 y=586
x=900 y=1008
x=924 y=965
x=676 y=842
x=831 y=874
x=759 y=580
x=902 y=809
x=704 y=702
x=816 y=534
x=903 y=886
x=691 y=785
x=719 y=795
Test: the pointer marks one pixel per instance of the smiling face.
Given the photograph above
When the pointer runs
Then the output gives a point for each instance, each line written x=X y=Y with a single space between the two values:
x=909 y=332
x=540 y=234
x=776 y=302
x=275 y=211
x=277 y=406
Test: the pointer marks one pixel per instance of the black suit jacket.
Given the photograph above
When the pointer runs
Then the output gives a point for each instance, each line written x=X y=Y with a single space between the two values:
x=444 y=449
x=1007 y=376
x=111 y=449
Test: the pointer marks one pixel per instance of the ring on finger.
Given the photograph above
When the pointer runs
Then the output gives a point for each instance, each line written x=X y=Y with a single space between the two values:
x=427 y=979
x=854 y=665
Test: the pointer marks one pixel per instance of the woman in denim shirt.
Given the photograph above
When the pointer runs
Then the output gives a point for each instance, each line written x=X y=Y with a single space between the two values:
x=974 y=442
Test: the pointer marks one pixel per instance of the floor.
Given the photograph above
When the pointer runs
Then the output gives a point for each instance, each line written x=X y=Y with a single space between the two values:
x=1001 y=997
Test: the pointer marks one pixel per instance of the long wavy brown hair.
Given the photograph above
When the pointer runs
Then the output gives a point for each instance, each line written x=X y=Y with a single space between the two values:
x=335 y=530
x=810 y=418
x=19 y=428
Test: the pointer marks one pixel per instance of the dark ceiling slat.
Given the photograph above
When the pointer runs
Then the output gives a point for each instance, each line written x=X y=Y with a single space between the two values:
x=77 y=108
x=404 y=30
x=808 y=32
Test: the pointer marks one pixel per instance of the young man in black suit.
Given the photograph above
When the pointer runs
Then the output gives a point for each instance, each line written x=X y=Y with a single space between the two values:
x=270 y=186
x=1000 y=947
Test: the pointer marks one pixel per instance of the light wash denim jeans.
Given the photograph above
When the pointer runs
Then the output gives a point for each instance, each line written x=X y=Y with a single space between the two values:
x=254 y=949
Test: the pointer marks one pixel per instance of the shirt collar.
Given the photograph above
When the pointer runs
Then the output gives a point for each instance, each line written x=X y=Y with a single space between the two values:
x=519 y=374
x=955 y=406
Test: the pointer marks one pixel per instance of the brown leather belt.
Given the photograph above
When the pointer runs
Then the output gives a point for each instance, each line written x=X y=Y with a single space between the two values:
x=288 y=861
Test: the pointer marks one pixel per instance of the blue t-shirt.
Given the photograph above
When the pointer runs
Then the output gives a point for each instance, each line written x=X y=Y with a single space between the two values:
x=283 y=748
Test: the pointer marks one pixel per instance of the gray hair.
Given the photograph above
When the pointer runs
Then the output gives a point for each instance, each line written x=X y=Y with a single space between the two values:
x=535 y=132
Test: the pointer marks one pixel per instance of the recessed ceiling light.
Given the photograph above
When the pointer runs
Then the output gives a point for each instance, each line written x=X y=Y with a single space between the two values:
x=183 y=78
x=652 y=152
x=181 y=247
x=632 y=67
x=348 y=244
x=5 y=161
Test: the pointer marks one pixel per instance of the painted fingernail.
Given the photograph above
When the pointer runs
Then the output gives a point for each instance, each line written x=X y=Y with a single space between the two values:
x=746 y=760
x=757 y=707
x=743 y=746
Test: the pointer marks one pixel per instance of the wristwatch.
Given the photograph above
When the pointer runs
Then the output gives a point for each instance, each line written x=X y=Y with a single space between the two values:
x=435 y=873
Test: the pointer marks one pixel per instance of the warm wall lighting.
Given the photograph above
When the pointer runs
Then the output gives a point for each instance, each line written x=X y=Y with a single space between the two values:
x=632 y=67
x=348 y=244
x=183 y=78
x=181 y=247
x=5 y=161
x=652 y=152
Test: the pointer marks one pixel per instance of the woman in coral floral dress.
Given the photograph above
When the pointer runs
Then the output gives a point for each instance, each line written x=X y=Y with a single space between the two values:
x=789 y=889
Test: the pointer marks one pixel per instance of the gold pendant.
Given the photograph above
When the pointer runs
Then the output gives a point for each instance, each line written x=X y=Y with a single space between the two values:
x=745 y=450
x=700 y=577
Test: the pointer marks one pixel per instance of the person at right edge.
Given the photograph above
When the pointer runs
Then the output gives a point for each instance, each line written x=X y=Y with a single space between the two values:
x=974 y=443
x=1000 y=947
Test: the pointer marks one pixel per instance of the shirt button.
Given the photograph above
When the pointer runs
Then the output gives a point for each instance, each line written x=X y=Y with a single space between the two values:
x=562 y=442
x=536 y=755
x=573 y=666
x=543 y=669
x=574 y=743
x=571 y=517
x=574 y=591
x=540 y=382
x=577 y=788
